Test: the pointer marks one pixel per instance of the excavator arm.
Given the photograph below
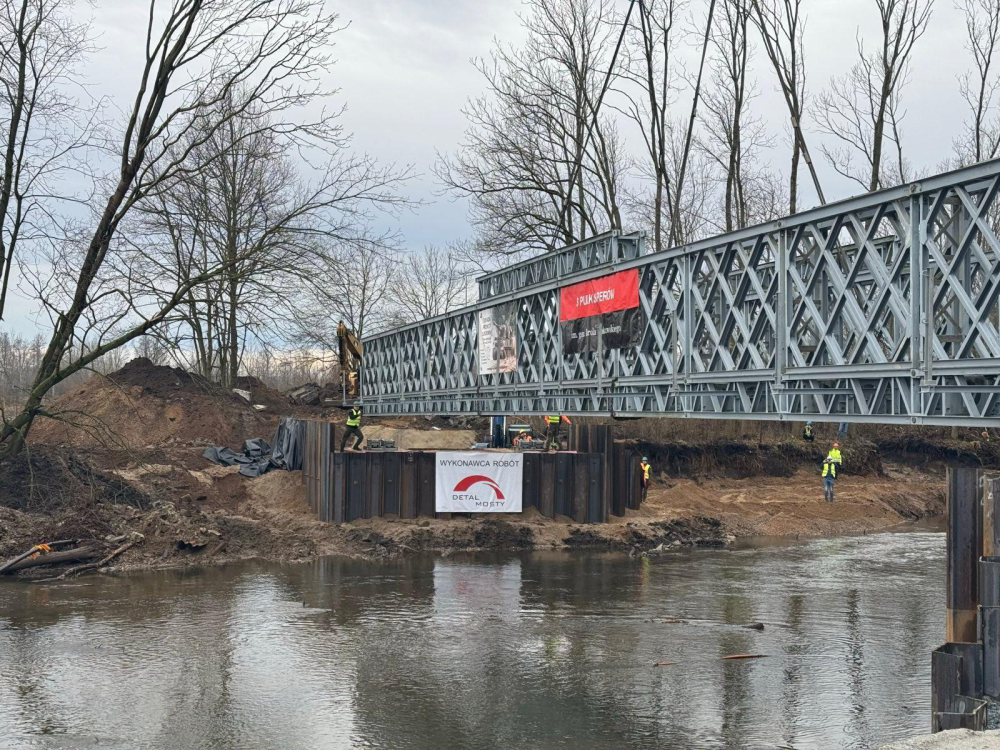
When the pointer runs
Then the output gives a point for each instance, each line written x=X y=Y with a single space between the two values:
x=350 y=361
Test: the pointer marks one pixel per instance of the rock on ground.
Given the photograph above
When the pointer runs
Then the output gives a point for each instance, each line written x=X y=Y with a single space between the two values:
x=954 y=739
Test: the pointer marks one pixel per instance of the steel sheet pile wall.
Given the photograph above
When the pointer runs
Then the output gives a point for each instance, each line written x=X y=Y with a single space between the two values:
x=317 y=466
x=965 y=668
x=989 y=588
x=880 y=308
x=585 y=485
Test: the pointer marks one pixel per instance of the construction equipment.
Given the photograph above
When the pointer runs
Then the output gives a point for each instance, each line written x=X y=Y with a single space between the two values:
x=350 y=361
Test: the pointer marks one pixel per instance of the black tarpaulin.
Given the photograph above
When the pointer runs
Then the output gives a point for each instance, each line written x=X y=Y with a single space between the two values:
x=259 y=457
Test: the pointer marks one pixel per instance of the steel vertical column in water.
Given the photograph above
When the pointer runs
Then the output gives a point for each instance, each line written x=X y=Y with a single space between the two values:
x=989 y=588
x=963 y=553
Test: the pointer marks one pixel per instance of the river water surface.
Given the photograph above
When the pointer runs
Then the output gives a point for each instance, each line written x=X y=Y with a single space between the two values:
x=539 y=650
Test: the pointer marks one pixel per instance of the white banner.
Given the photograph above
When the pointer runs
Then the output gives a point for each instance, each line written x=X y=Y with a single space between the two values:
x=478 y=482
x=497 y=340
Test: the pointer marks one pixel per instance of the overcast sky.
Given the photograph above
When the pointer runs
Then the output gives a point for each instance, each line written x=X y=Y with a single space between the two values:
x=404 y=73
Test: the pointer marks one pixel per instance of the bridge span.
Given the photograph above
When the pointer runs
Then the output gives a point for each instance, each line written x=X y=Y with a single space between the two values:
x=879 y=308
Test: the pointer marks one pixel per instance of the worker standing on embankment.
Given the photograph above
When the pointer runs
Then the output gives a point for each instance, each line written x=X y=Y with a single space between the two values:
x=353 y=427
x=644 y=465
x=552 y=429
x=829 y=475
x=834 y=455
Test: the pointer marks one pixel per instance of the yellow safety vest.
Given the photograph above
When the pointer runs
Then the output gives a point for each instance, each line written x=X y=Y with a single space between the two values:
x=834 y=455
x=354 y=418
x=808 y=430
x=645 y=471
x=829 y=467
x=552 y=418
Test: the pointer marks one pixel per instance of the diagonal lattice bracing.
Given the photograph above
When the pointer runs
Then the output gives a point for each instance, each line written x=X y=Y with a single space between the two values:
x=884 y=307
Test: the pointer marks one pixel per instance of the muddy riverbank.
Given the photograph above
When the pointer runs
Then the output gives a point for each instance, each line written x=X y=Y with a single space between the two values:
x=191 y=512
x=126 y=460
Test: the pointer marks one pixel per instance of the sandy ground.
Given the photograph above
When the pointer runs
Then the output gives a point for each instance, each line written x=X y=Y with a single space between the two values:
x=409 y=438
x=780 y=506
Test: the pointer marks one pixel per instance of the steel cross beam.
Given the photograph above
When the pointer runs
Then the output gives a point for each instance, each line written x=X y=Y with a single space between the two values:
x=880 y=308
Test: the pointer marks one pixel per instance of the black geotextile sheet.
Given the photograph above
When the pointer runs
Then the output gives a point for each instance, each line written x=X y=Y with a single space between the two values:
x=259 y=456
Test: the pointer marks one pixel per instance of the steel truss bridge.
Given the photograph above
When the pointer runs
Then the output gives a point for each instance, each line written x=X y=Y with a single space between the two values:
x=879 y=308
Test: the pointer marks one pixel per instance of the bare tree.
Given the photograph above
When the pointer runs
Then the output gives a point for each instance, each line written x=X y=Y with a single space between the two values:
x=359 y=286
x=981 y=139
x=733 y=138
x=694 y=217
x=686 y=152
x=198 y=53
x=857 y=107
x=781 y=27
x=649 y=70
x=527 y=133
x=244 y=205
x=40 y=47
x=433 y=281
x=725 y=114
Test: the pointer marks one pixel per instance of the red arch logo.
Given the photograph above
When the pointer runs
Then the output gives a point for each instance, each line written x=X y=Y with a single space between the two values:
x=464 y=484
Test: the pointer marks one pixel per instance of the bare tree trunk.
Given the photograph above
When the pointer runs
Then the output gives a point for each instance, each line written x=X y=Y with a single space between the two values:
x=679 y=187
x=855 y=108
x=793 y=177
x=781 y=31
x=40 y=44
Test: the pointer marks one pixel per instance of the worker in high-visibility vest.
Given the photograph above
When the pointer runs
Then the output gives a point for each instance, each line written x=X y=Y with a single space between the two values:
x=807 y=432
x=552 y=429
x=834 y=454
x=353 y=427
x=829 y=474
x=644 y=465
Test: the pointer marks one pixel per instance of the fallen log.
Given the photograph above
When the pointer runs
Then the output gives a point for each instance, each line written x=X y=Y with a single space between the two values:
x=37 y=548
x=91 y=566
x=76 y=554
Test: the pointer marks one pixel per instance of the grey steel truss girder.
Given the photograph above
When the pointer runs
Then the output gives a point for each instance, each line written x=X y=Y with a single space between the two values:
x=880 y=308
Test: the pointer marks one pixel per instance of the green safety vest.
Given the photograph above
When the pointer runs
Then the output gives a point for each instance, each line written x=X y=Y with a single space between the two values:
x=552 y=418
x=354 y=418
x=829 y=467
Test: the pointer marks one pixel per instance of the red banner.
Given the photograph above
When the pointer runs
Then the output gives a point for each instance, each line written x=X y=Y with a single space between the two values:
x=619 y=291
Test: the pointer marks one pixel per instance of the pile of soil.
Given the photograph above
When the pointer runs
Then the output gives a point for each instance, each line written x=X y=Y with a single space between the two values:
x=46 y=480
x=144 y=405
x=189 y=512
x=275 y=401
x=47 y=495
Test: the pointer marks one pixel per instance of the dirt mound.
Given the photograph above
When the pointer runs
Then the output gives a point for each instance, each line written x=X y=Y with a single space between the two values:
x=144 y=404
x=260 y=393
x=46 y=481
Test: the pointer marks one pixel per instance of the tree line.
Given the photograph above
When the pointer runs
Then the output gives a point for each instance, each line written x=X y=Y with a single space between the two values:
x=222 y=210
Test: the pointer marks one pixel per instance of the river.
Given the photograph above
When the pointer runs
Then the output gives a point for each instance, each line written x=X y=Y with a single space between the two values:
x=537 y=650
